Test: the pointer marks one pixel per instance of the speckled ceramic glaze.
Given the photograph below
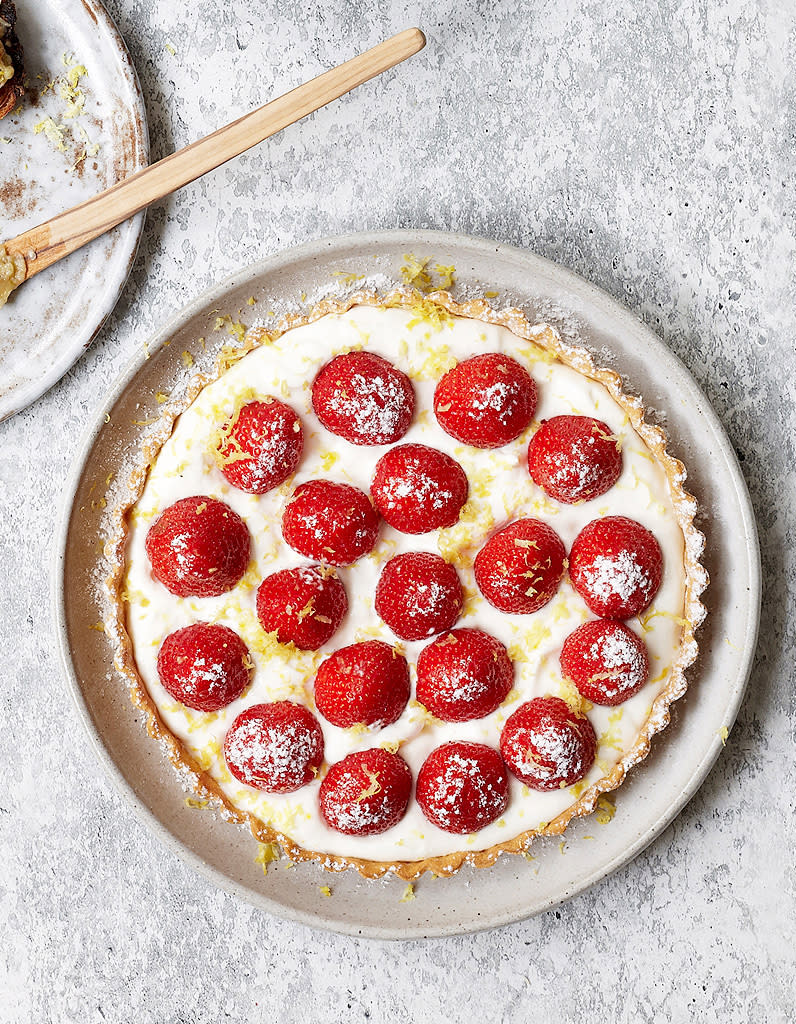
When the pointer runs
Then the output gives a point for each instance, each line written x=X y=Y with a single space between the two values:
x=514 y=888
x=49 y=321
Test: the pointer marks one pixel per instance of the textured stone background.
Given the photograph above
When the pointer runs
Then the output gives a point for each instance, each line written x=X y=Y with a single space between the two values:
x=647 y=146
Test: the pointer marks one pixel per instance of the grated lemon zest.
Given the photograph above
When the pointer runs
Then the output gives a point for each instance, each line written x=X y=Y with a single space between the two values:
x=606 y=809
x=347 y=277
x=569 y=693
x=414 y=273
x=267 y=853
x=52 y=131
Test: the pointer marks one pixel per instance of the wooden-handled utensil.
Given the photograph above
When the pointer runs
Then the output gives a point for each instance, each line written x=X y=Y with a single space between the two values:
x=42 y=246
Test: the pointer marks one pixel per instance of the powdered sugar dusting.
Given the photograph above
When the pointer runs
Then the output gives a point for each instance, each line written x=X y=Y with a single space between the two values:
x=618 y=576
x=463 y=787
x=294 y=361
x=364 y=399
x=277 y=756
x=617 y=651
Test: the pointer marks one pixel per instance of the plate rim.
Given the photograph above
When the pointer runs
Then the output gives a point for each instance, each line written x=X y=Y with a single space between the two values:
x=399 y=238
x=15 y=401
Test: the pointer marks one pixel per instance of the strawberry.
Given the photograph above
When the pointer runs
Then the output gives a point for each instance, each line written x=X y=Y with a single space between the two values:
x=363 y=398
x=486 y=401
x=606 y=661
x=366 y=793
x=275 y=747
x=463 y=674
x=418 y=595
x=198 y=547
x=547 y=745
x=519 y=568
x=330 y=522
x=261 y=447
x=462 y=787
x=574 y=458
x=418 y=489
x=366 y=683
x=204 y=666
x=302 y=606
x=616 y=566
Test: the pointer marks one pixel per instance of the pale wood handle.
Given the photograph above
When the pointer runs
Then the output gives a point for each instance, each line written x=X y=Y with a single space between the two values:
x=44 y=245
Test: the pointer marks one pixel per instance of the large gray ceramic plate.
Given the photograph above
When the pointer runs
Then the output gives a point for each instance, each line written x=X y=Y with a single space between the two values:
x=514 y=888
x=50 y=321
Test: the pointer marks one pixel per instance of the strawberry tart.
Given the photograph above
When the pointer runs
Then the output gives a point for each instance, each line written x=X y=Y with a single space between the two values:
x=407 y=583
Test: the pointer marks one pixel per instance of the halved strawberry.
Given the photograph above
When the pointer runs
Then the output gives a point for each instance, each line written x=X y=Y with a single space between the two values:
x=462 y=787
x=574 y=458
x=363 y=398
x=365 y=683
x=366 y=793
x=418 y=489
x=463 y=674
x=204 y=666
x=275 y=747
x=616 y=566
x=261 y=447
x=485 y=401
x=330 y=522
x=606 y=661
x=418 y=595
x=519 y=569
x=198 y=547
x=547 y=745
x=302 y=606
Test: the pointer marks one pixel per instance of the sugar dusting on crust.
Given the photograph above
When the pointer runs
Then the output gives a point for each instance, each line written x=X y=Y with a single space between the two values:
x=121 y=495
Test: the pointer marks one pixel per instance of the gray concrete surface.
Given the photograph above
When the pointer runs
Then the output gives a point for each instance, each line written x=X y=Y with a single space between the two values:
x=648 y=147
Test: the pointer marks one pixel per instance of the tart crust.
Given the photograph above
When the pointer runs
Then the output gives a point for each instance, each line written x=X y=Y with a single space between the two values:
x=695 y=582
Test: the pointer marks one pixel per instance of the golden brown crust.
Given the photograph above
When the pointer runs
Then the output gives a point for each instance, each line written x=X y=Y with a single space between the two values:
x=695 y=582
x=13 y=90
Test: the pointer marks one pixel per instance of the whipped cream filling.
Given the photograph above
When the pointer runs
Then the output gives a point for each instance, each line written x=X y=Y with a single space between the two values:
x=501 y=490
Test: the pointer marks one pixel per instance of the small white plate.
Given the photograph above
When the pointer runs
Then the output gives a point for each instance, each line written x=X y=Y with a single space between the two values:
x=49 y=321
x=655 y=791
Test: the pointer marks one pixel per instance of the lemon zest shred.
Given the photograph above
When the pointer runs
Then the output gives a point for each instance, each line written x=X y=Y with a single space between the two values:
x=347 y=277
x=267 y=853
x=606 y=809
x=408 y=894
x=53 y=132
